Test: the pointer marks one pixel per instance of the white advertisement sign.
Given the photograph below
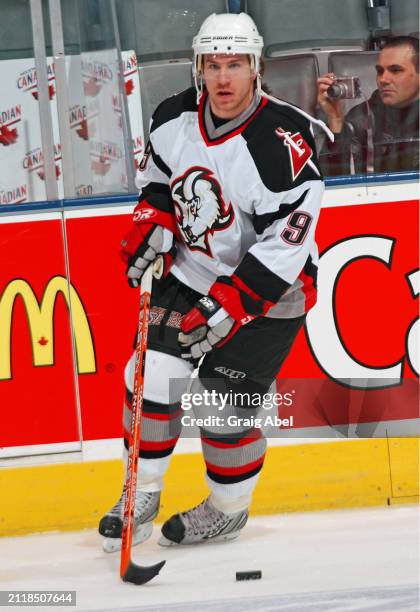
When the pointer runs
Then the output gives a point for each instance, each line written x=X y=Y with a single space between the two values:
x=94 y=116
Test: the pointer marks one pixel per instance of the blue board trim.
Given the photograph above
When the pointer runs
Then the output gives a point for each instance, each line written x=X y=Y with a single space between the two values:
x=131 y=198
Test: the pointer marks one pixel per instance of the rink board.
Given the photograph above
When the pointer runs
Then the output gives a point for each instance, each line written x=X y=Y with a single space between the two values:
x=68 y=318
x=66 y=332
x=299 y=477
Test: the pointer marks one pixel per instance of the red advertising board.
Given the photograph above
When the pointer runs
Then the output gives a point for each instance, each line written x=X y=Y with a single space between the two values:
x=366 y=324
x=37 y=376
x=111 y=306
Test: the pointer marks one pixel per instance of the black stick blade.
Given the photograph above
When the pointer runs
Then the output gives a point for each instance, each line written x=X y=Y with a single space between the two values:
x=140 y=575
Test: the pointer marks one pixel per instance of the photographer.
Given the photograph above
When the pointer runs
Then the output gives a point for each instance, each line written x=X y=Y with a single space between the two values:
x=382 y=133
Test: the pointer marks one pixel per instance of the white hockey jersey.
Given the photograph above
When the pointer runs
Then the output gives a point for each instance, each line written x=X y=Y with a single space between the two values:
x=246 y=196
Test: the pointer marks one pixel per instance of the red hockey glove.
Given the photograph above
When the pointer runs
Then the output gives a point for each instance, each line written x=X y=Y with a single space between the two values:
x=218 y=316
x=151 y=235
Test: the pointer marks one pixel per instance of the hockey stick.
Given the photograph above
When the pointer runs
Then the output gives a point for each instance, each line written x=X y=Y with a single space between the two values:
x=129 y=571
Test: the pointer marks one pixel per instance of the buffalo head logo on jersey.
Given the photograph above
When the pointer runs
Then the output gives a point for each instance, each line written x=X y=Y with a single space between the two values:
x=200 y=208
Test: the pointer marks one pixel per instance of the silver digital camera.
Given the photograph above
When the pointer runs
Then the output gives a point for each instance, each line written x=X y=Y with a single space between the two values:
x=345 y=88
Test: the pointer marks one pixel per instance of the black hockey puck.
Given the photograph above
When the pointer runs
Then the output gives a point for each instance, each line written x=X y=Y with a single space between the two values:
x=254 y=575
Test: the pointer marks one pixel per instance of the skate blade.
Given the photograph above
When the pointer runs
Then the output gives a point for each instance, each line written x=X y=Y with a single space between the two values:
x=221 y=538
x=142 y=533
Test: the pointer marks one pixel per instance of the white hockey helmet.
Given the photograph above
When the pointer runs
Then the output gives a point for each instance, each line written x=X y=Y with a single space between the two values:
x=226 y=33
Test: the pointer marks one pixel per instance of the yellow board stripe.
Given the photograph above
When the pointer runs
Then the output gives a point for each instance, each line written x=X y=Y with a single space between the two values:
x=302 y=477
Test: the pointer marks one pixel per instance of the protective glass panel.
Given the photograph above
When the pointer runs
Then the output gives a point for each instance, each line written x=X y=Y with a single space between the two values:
x=22 y=176
x=374 y=116
x=161 y=34
x=99 y=137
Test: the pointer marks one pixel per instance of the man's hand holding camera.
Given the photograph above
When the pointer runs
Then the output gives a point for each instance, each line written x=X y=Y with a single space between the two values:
x=333 y=108
x=333 y=89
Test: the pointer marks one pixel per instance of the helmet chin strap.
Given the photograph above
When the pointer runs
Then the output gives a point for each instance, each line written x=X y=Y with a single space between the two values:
x=198 y=82
x=258 y=86
x=198 y=77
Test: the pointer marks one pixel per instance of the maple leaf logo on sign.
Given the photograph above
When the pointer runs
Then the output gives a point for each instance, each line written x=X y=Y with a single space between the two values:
x=92 y=87
x=299 y=151
x=7 y=137
x=101 y=166
x=84 y=131
x=129 y=87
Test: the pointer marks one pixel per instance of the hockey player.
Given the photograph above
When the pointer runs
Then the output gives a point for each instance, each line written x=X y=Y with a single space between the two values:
x=231 y=177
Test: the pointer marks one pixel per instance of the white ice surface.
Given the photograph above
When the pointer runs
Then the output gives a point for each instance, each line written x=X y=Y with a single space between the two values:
x=349 y=560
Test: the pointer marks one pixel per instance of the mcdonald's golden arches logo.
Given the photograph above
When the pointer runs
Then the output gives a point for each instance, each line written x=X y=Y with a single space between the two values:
x=41 y=324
